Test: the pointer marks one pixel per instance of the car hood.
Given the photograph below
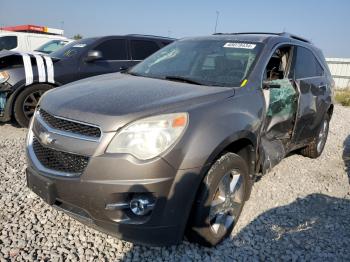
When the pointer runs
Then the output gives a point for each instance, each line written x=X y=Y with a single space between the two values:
x=4 y=53
x=112 y=100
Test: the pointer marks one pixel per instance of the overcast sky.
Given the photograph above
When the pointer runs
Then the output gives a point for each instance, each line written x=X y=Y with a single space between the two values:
x=325 y=22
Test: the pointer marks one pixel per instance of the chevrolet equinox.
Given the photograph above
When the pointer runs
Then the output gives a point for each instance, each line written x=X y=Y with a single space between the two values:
x=171 y=148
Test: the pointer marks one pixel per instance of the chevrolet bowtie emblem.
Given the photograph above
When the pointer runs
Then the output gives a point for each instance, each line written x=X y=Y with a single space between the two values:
x=46 y=139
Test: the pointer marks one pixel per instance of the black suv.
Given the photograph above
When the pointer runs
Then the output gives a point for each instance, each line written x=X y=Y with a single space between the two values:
x=174 y=145
x=25 y=77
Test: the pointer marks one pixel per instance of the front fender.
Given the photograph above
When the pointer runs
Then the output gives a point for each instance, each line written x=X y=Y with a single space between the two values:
x=215 y=126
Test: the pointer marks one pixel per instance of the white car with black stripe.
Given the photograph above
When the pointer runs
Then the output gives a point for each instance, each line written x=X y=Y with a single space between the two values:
x=25 y=77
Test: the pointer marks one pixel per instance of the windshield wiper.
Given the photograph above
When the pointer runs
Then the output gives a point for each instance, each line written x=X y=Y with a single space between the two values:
x=183 y=79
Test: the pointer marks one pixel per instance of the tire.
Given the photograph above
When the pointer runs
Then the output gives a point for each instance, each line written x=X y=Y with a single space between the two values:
x=26 y=102
x=315 y=148
x=229 y=172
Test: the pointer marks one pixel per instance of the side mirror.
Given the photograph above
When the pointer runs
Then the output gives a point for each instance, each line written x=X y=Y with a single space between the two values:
x=93 y=55
x=270 y=84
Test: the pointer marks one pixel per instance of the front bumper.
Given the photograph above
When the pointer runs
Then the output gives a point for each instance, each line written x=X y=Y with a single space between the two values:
x=112 y=179
x=99 y=195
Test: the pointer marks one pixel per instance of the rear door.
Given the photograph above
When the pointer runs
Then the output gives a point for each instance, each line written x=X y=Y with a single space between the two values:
x=312 y=87
x=114 y=58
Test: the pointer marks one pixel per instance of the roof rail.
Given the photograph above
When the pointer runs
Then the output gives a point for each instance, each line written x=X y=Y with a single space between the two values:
x=285 y=34
x=296 y=37
x=157 y=36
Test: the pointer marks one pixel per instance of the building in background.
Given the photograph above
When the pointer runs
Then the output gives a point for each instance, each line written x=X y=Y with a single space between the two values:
x=37 y=29
x=340 y=69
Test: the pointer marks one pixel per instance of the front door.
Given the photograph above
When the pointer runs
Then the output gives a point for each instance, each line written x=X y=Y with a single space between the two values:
x=281 y=104
x=280 y=95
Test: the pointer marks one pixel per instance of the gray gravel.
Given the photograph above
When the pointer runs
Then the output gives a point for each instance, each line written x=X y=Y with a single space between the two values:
x=299 y=211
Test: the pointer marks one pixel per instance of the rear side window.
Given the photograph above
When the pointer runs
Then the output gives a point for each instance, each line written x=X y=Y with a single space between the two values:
x=140 y=49
x=306 y=64
x=114 y=49
x=8 y=42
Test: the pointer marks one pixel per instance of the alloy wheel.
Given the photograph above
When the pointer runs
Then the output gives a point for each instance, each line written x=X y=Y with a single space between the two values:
x=227 y=203
x=322 y=136
x=30 y=103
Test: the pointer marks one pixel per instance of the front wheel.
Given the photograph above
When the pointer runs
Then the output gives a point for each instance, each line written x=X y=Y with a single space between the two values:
x=26 y=102
x=315 y=148
x=220 y=200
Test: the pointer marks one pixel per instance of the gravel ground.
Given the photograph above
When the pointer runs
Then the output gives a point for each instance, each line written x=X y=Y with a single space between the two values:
x=299 y=211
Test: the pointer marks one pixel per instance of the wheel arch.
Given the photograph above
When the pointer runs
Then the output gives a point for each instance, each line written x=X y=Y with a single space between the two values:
x=243 y=144
x=12 y=99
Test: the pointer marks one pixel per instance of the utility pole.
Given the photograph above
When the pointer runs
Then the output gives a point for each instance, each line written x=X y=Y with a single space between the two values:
x=216 y=22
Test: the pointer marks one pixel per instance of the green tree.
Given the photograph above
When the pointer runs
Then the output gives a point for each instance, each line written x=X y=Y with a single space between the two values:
x=77 y=37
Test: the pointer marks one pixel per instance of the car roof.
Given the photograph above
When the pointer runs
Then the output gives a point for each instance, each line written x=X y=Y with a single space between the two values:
x=150 y=36
x=135 y=36
x=261 y=37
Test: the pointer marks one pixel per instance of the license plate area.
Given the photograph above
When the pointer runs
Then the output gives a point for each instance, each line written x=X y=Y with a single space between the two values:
x=41 y=186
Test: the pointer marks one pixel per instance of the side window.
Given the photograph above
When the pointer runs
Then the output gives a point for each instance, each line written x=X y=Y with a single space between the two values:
x=114 y=49
x=140 y=49
x=278 y=65
x=306 y=64
x=8 y=42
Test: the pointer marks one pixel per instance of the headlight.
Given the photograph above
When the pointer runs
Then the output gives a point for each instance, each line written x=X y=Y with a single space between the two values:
x=4 y=76
x=149 y=137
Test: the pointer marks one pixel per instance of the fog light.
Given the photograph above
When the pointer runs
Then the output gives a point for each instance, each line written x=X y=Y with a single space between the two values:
x=141 y=205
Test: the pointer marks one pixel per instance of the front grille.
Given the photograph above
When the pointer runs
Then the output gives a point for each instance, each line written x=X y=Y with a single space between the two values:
x=69 y=126
x=59 y=161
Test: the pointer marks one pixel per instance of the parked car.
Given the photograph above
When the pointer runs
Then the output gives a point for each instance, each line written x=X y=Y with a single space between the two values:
x=25 y=42
x=25 y=77
x=173 y=146
x=52 y=46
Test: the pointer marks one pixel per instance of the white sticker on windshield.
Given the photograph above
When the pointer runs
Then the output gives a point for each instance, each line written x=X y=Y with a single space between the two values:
x=240 y=45
x=79 y=45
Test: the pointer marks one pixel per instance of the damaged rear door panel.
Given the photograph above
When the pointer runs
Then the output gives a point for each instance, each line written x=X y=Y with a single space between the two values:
x=313 y=92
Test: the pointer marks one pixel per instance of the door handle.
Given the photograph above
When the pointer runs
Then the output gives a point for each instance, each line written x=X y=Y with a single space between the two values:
x=322 y=86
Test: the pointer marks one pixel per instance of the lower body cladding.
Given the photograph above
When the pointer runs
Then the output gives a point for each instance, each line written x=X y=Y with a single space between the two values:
x=151 y=207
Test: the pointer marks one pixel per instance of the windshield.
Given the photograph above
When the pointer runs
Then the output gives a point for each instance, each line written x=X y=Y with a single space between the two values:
x=73 y=49
x=8 y=42
x=206 y=62
x=51 y=46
